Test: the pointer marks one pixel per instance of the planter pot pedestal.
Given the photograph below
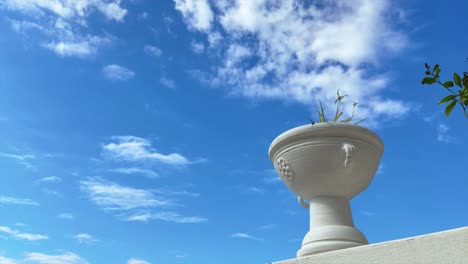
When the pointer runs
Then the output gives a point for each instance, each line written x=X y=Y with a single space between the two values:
x=331 y=226
x=327 y=164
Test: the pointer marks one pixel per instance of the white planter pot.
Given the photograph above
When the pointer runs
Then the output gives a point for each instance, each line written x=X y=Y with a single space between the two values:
x=327 y=164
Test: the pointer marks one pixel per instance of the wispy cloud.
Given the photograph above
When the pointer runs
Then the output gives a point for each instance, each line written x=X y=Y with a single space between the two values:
x=131 y=148
x=134 y=170
x=4 y=260
x=17 y=201
x=268 y=226
x=64 y=258
x=381 y=168
x=84 y=238
x=168 y=192
x=22 y=159
x=368 y=213
x=256 y=190
x=197 y=47
x=117 y=73
x=137 y=261
x=167 y=82
x=21 y=235
x=443 y=134
x=167 y=216
x=63 y=24
x=300 y=52
x=271 y=177
x=84 y=47
x=152 y=50
x=132 y=204
x=66 y=216
x=51 y=179
x=113 y=197
x=245 y=236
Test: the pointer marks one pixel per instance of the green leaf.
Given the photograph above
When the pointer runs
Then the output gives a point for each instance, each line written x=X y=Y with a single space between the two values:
x=448 y=84
x=347 y=120
x=428 y=80
x=428 y=73
x=465 y=79
x=448 y=98
x=321 y=113
x=449 y=108
x=360 y=121
x=457 y=79
x=338 y=116
x=437 y=68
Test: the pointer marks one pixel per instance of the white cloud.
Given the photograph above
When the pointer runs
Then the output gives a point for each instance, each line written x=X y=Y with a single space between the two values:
x=64 y=23
x=21 y=235
x=133 y=170
x=51 y=179
x=177 y=218
x=21 y=159
x=153 y=50
x=130 y=148
x=198 y=47
x=197 y=13
x=65 y=258
x=381 y=168
x=137 y=261
x=132 y=204
x=268 y=226
x=245 y=236
x=368 y=213
x=67 y=216
x=214 y=38
x=143 y=15
x=84 y=238
x=442 y=134
x=112 y=10
x=113 y=197
x=272 y=179
x=293 y=51
x=256 y=190
x=167 y=82
x=117 y=73
x=167 y=192
x=83 y=47
x=67 y=9
x=22 y=26
x=17 y=201
x=4 y=260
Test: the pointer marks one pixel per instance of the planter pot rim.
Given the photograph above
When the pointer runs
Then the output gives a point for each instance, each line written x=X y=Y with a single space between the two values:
x=324 y=130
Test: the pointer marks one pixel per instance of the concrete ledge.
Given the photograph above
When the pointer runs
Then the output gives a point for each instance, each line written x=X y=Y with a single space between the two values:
x=447 y=247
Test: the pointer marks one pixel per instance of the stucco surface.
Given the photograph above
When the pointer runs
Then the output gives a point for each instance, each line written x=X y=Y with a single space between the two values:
x=437 y=248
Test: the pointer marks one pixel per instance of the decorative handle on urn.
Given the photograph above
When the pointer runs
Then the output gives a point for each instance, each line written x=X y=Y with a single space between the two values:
x=348 y=149
x=302 y=202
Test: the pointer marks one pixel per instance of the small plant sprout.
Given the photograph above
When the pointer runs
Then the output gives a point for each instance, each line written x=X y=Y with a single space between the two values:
x=338 y=113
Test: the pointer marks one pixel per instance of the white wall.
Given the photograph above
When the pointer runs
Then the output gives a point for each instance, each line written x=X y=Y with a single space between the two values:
x=447 y=247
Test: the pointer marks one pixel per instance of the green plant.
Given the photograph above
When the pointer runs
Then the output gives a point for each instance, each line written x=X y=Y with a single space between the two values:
x=338 y=113
x=460 y=96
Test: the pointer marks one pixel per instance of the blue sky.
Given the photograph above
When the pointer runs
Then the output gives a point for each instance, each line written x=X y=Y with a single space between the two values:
x=137 y=131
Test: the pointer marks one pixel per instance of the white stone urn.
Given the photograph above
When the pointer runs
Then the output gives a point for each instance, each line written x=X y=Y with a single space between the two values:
x=327 y=164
